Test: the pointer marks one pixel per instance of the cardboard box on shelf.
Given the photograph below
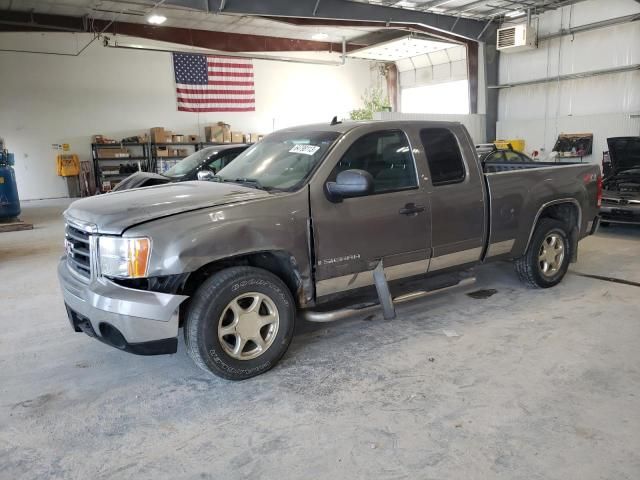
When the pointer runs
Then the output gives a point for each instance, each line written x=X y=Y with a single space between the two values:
x=178 y=152
x=237 y=137
x=162 y=152
x=251 y=137
x=218 y=133
x=177 y=138
x=157 y=134
x=168 y=136
x=193 y=138
x=102 y=139
x=112 y=153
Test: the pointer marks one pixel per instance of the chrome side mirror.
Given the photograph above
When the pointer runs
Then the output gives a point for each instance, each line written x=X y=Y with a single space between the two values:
x=205 y=175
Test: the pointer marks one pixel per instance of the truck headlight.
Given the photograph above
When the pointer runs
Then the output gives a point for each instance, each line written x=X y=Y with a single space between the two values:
x=124 y=257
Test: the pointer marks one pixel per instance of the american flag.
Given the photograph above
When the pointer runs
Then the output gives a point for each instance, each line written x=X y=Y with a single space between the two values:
x=209 y=83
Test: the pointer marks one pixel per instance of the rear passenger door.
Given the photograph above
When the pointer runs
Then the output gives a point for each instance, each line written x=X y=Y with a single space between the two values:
x=457 y=197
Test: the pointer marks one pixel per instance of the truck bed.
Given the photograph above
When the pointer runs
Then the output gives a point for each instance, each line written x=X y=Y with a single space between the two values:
x=495 y=167
x=518 y=191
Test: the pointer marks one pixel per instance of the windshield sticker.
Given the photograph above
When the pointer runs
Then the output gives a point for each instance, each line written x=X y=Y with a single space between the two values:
x=305 y=149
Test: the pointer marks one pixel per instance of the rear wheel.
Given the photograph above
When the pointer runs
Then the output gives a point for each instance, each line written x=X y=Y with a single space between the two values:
x=546 y=260
x=240 y=323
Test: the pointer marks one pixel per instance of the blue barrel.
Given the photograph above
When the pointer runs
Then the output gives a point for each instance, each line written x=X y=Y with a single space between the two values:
x=9 y=200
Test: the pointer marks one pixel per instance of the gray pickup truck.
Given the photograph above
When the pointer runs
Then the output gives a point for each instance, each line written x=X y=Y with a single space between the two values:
x=317 y=222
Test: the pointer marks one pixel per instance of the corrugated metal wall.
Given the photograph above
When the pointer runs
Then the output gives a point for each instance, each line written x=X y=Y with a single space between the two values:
x=602 y=105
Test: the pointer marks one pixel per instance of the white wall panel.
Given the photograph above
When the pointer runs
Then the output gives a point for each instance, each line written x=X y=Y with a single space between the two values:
x=590 y=11
x=53 y=99
x=599 y=49
x=541 y=134
x=603 y=105
x=618 y=92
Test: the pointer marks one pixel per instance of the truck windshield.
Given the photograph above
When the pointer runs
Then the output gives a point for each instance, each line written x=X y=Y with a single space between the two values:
x=187 y=164
x=280 y=161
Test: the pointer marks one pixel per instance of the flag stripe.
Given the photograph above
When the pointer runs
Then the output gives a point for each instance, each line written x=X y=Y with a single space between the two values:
x=216 y=108
x=199 y=91
x=245 y=66
x=240 y=72
x=182 y=99
x=213 y=84
x=213 y=72
x=216 y=86
x=230 y=82
x=211 y=109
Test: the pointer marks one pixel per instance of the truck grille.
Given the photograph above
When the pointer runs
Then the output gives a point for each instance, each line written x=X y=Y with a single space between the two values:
x=78 y=249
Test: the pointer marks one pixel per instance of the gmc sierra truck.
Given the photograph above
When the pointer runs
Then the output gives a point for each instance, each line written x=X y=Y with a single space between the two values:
x=317 y=222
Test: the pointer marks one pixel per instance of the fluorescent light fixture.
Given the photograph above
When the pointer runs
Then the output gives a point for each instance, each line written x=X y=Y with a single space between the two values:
x=319 y=36
x=515 y=14
x=405 y=47
x=156 y=19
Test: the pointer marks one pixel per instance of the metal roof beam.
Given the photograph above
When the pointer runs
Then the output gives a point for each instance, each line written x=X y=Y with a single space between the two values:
x=340 y=10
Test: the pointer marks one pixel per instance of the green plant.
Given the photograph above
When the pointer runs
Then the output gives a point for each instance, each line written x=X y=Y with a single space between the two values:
x=374 y=101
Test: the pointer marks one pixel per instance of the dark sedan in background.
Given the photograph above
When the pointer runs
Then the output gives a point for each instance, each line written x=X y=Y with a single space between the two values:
x=200 y=165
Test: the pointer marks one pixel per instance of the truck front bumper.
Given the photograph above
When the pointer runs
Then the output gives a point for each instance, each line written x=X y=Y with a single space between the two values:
x=136 y=321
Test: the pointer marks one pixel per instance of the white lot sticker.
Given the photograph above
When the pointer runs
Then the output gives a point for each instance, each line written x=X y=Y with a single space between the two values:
x=305 y=149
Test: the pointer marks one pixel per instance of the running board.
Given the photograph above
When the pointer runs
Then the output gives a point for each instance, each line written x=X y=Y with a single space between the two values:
x=370 y=308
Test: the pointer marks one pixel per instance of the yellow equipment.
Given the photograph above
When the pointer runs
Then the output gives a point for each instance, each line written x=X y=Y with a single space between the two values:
x=516 y=144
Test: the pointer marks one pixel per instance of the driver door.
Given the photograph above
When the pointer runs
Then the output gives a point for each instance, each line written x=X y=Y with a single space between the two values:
x=391 y=224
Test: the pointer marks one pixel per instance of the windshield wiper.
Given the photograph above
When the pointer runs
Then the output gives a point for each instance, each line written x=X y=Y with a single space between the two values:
x=250 y=182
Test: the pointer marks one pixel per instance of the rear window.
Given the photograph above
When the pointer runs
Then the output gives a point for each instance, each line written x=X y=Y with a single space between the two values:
x=443 y=156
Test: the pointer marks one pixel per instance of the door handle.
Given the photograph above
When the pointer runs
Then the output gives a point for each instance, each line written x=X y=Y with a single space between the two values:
x=411 y=209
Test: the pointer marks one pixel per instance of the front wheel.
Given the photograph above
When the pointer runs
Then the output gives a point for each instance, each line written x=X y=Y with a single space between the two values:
x=546 y=260
x=240 y=323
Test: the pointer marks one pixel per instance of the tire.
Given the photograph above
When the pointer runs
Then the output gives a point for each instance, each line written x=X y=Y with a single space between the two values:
x=224 y=303
x=530 y=267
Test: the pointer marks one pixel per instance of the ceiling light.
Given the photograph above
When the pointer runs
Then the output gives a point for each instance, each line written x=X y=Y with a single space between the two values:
x=156 y=19
x=319 y=36
x=517 y=13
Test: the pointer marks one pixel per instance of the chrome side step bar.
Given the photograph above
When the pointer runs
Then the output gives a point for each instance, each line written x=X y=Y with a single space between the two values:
x=370 y=308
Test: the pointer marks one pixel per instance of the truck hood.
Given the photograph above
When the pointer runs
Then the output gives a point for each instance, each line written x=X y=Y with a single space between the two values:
x=113 y=213
x=140 y=179
x=624 y=153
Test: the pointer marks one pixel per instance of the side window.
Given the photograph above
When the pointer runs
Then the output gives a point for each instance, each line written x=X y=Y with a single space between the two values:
x=221 y=161
x=386 y=156
x=443 y=156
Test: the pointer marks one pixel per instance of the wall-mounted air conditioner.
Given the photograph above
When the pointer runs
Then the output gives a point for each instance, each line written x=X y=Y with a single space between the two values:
x=516 y=38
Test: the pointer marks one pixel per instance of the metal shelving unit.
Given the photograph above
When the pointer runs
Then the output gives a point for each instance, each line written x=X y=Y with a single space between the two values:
x=156 y=159
x=142 y=161
x=155 y=166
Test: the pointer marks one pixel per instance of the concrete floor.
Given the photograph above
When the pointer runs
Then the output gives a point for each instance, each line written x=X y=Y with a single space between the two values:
x=537 y=385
